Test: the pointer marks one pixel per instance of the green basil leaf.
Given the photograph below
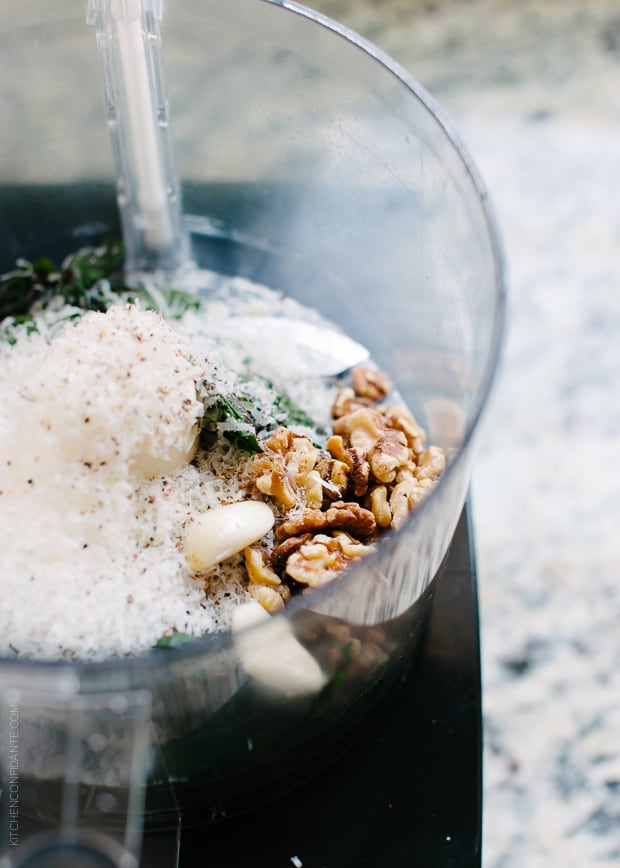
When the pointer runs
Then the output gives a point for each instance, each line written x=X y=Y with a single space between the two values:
x=174 y=640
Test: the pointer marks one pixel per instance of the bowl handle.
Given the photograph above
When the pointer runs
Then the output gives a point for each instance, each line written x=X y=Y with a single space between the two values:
x=74 y=768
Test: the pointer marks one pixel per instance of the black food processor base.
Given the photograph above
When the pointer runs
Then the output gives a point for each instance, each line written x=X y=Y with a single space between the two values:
x=406 y=793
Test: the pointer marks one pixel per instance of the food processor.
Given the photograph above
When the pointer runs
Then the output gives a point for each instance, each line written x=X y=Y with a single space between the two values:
x=276 y=145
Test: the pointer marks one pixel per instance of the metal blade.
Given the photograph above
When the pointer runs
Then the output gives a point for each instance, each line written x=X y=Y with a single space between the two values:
x=293 y=347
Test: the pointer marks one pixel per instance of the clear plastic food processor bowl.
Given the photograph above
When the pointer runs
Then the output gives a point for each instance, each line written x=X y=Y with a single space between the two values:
x=311 y=163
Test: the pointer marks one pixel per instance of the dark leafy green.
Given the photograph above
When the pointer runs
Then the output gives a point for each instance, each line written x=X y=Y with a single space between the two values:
x=245 y=422
x=174 y=640
x=90 y=279
x=173 y=302
x=241 y=426
x=292 y=412
x=77 y=281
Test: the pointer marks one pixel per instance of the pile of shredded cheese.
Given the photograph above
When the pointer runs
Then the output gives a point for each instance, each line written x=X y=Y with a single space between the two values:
x=97 y=432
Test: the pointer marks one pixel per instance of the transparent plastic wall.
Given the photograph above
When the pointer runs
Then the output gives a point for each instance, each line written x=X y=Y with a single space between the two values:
x=293 y=141
x=311 y=163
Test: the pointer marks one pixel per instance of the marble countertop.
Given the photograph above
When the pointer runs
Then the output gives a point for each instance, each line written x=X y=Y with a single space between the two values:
x=533 y=86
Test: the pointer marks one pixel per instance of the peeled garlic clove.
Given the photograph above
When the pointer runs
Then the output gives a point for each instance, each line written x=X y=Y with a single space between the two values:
x=225 y=530
x=272 y=654
x=148 y=463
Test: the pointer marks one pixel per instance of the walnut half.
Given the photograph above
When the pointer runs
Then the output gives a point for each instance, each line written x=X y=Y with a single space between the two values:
x=285 y=470
x=318 y=561
x=370 y=383
x=340 y=516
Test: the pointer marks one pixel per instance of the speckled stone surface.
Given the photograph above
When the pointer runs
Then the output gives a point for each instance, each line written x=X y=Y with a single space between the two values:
x=533 y=88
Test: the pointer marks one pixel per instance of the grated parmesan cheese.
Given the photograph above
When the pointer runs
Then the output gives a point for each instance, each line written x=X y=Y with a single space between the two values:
x=98 y=427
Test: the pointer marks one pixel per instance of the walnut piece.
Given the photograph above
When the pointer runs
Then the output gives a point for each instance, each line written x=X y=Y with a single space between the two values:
x=313 y=490
x=370 y=383
x=388 y=454
x=339 y=516
x=301 y=459
x=352 y=548
x=269 y=598
x=280 y=441
x=431 y=463
x=265 y=585
x=335 y=477
x=401 y=419
x=359 y=468
x=283 y=550
x=284 y=470
x=405 y=497
x=361 y=429
x=319 y=561
x=346 y=401
x=272 y=479
x=259 y=570
x=379 y=505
